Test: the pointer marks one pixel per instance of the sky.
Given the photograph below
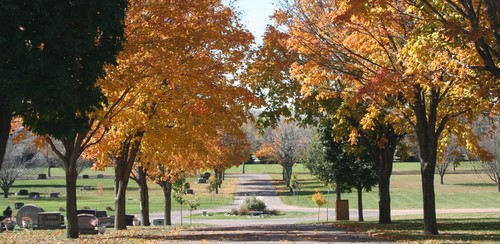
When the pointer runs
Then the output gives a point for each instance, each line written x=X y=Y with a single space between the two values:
x=255 y=15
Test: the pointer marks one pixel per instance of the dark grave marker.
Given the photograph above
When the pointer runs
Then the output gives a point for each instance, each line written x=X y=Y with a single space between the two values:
x=22 y=192
x=129 y=220
x=100 y=176
x=101 y=213
x=87 y=224
x=202 y=181
x=85 y=176
x=42 y=176
x=18 y=205
x=87 y=188
x=108 y=222
x=189 y=191
x=50 y=221
x=54 y=195
x=34 y=195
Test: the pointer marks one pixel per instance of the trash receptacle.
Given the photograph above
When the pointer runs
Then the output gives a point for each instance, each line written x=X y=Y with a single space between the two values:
x=342 y=210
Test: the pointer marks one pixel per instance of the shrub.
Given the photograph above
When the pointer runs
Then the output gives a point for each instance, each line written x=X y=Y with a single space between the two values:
x=253 y=204
x=234 y=211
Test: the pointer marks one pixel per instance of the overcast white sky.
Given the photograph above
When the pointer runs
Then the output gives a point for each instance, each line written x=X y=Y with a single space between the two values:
x=256 y=15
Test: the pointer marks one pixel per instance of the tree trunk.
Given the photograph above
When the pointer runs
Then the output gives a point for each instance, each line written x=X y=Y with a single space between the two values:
x=430 y=221
x=216 y=177
x=441 y=176
x=120 y=203
x=71 y=202
x=167 y=206
x=428 y=133
x=338 y=191
x=123 y=165
x=383 y=158
x=288 y=174
x=6 y=193
x=144 y=193
x=360 y=204
x=5 y=119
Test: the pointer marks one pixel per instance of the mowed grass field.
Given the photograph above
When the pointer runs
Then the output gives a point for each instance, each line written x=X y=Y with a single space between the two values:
x=461 y=189
x=101 y=199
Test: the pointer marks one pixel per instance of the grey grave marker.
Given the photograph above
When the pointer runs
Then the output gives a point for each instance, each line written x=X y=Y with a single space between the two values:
x=31 y=212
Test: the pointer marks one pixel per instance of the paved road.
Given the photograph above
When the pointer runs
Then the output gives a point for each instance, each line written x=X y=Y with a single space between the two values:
x=262 y=230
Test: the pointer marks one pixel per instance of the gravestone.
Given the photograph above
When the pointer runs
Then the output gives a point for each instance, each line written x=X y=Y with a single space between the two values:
x=108 y=222
x=189 y=191
x=22 y=192
x=87 y=188
x=101 y=213
x=100 y=176
x=206 y=176
x=87 y=224
x=54 y=195
x=31 y=212
x=202 y=181
x=86 y=211
x=42 y=176
x=85 y=176
x=18 y=205
x=129 y=220
x=50 y=221
x=34 y=195
x=157 y=222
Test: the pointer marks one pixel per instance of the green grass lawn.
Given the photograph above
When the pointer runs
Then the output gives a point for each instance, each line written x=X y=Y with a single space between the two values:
x=101 y=199
x=453 y=228
x=459 y=191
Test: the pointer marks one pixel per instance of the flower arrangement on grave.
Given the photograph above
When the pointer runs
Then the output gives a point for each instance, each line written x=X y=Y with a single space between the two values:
x=27 y=222
x=9 y=222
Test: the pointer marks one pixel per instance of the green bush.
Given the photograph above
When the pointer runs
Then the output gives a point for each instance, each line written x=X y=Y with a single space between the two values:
x=253 y=204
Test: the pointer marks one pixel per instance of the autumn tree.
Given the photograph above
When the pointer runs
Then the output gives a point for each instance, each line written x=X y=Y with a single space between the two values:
x=473 y=25
x=269 y=75
x=384 y=56
x=285 y=145
x=173 y=74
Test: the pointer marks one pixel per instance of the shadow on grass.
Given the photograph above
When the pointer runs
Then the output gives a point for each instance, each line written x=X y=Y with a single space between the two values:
x=271 y=233
x=477 y=184
x=451 y=230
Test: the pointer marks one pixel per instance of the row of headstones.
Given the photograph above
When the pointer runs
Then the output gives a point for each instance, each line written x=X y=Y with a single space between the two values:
x=35 y=195
x=44 y=176
x=88 y=219
x=34 y=217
